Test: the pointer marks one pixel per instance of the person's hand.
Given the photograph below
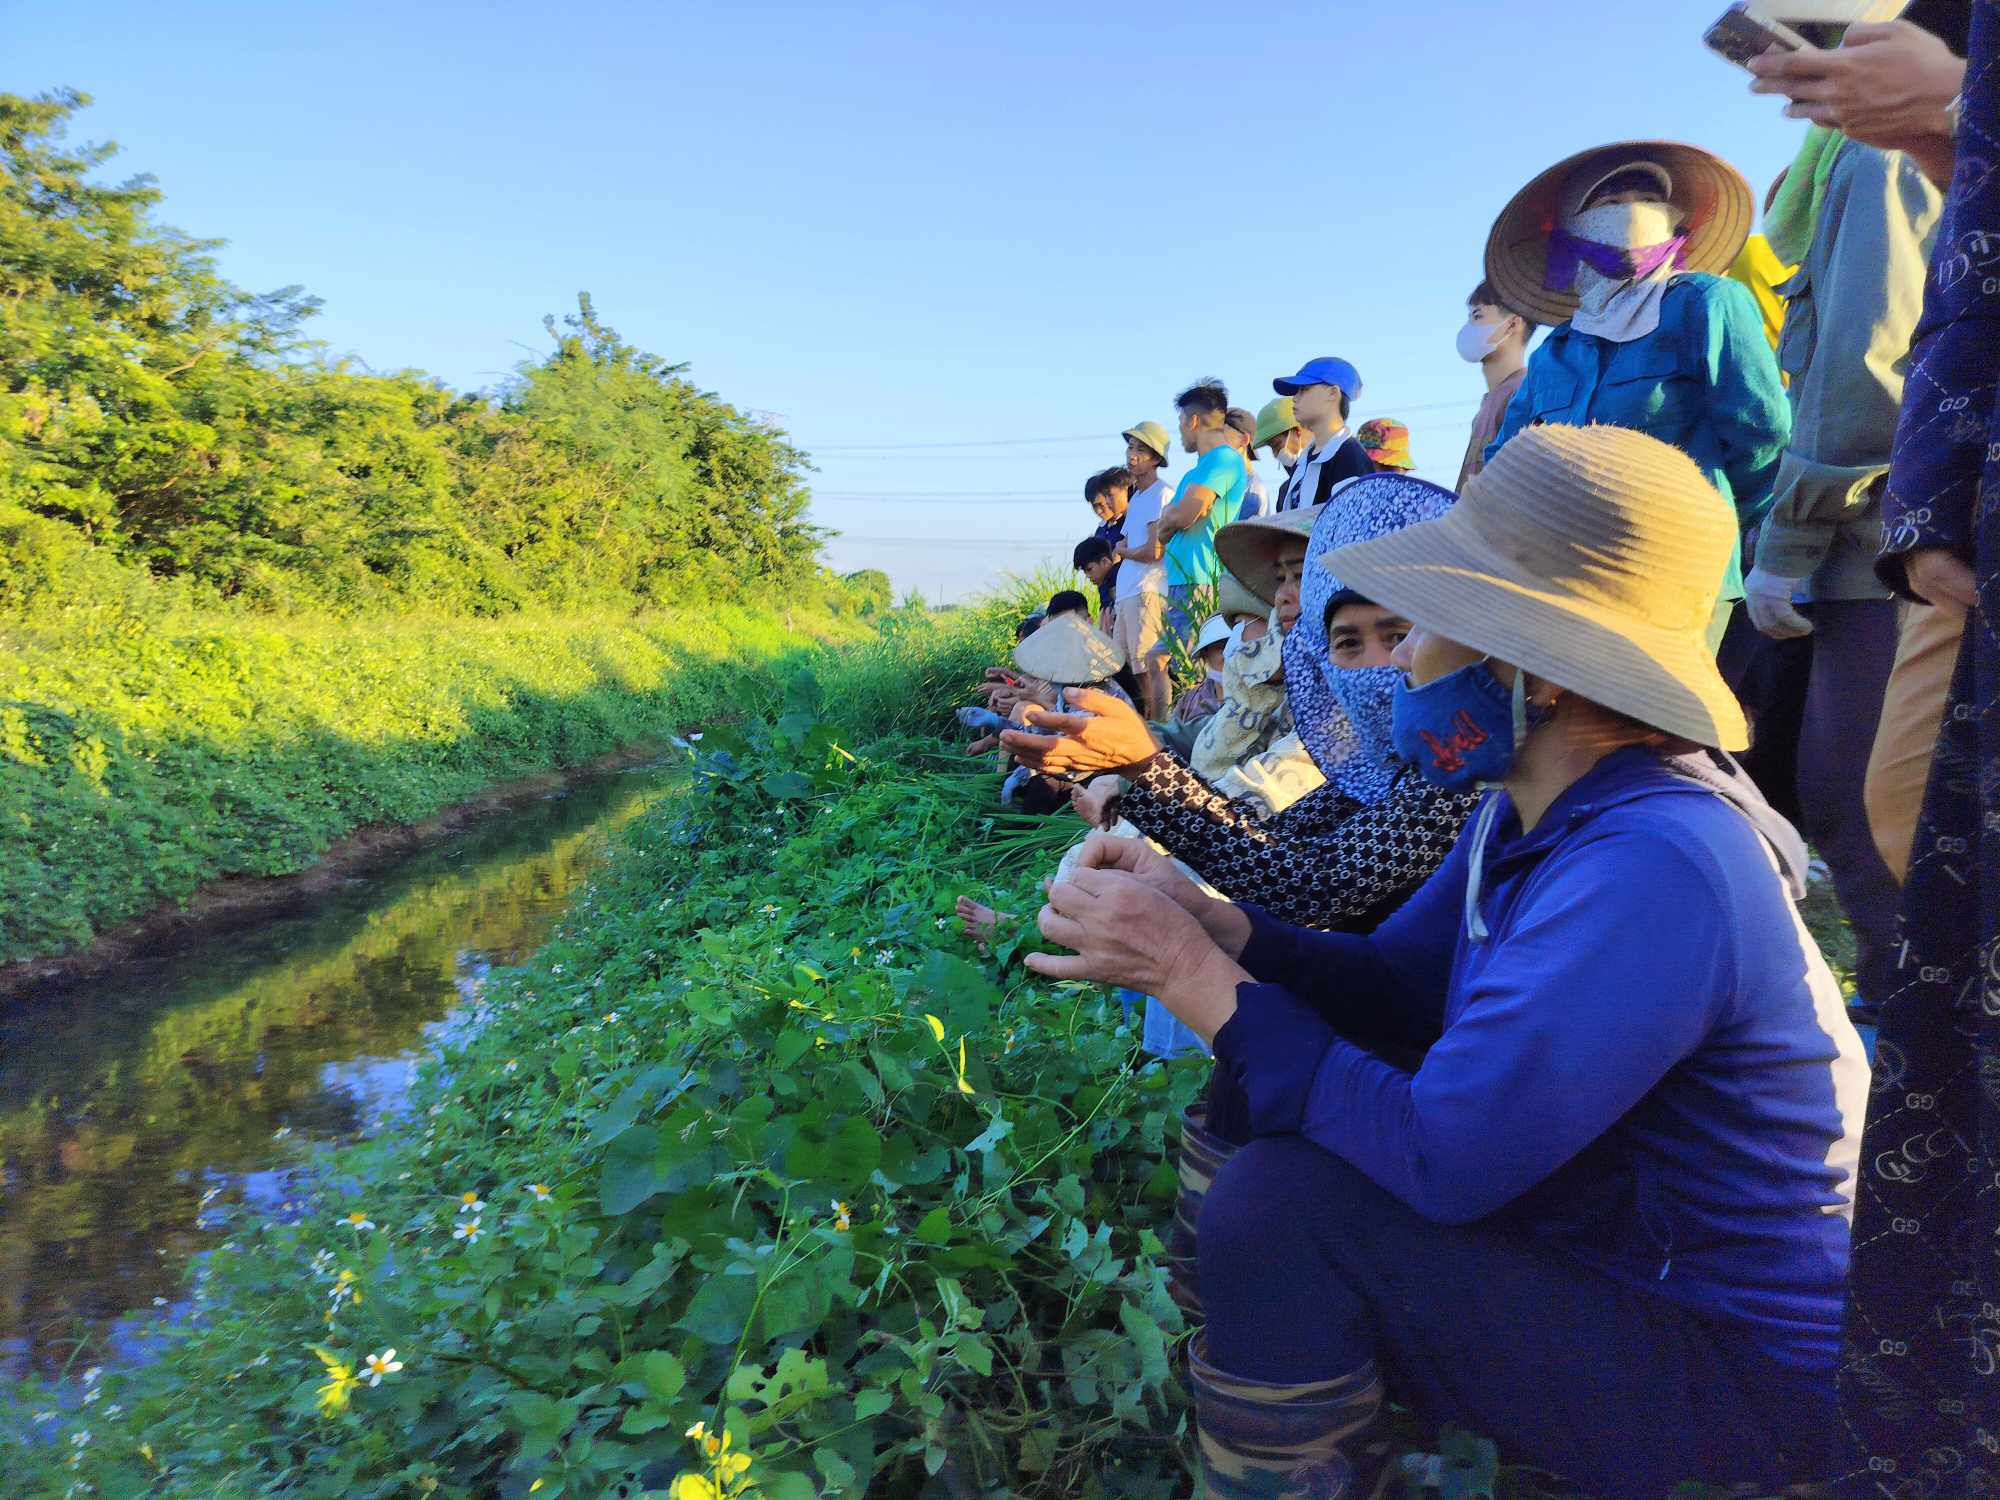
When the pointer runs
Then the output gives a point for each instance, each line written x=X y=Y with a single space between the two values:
x=1093 y=802
x=1109 y=736
x=1768 y=596
x=1888 y=85
x=1223 y=921
x=1943 y=577
x=1124 y=932
x=984 y=743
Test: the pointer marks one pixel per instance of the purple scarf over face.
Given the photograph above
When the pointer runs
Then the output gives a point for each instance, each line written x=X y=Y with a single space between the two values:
x=1568 y=251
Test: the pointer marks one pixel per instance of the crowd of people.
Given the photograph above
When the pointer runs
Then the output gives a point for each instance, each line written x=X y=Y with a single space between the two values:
x=1473 y=845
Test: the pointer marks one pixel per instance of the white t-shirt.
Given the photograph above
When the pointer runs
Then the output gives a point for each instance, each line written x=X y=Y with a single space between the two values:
x=1138 y=577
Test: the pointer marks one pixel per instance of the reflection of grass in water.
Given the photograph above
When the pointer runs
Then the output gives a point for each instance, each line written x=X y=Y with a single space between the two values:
x=111 y=1117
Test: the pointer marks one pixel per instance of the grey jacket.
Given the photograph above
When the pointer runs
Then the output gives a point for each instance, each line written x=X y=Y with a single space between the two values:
x=1851 y=309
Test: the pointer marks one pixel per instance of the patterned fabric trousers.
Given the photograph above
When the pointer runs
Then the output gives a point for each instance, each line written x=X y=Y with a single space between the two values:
x=1920 y=1386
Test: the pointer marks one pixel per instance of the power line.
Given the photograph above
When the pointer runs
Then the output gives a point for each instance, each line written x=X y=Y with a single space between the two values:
x=1388 y=409
x=1087 y=437
x=951 y=495
x=933 y=541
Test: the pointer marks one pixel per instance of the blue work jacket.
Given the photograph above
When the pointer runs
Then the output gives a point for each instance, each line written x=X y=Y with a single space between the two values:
x=1705 y=381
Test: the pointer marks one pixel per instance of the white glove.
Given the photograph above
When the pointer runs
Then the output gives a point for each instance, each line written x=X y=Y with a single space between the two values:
x=1769 y=599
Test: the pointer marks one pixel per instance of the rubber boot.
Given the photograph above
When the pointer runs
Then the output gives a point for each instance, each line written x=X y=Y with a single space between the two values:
x=1202 y=1155
x=1325 y=1440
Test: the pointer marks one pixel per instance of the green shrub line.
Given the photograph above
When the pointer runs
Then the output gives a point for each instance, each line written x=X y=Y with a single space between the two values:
x=139 y=761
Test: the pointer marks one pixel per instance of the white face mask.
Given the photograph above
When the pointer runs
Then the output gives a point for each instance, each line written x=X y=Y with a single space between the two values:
x=1475 y=341
x=1629 y=226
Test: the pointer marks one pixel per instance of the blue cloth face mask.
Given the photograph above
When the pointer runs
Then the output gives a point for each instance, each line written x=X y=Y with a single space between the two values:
x=1461 y=730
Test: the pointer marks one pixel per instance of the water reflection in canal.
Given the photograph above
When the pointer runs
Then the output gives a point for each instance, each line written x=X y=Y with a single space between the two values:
x=122 y=1101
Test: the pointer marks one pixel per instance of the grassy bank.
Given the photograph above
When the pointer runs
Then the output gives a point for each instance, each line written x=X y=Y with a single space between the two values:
x=139 y=759
x=757 y=1143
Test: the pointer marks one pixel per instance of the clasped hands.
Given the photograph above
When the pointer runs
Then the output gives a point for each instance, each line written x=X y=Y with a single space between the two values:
x=1108 y=735
x=1132 y=919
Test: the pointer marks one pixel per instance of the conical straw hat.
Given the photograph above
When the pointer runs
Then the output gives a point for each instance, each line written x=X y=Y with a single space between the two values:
x=1232 y=598
x=1715 y=203
x=1068 y=650
x=1589 y=556
x=1249 y=549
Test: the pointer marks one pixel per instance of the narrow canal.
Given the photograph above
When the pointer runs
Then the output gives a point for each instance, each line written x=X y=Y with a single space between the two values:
x=124 y=1101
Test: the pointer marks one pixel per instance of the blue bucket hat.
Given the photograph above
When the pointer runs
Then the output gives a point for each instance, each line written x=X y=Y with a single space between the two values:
x=1342 y=713
x=1326 y=370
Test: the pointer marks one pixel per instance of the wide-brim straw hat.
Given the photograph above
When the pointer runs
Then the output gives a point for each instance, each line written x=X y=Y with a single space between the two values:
x=1716 y=210
x=1591 y=557
x=1250 y=549
x=1068 y=650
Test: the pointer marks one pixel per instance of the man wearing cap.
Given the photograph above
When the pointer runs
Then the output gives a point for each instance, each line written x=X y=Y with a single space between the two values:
x=1140 y=616
x=1323 y=392
x=1278 y=429
x=1603 y=1217
x=1242 y=433
x=1624 y=247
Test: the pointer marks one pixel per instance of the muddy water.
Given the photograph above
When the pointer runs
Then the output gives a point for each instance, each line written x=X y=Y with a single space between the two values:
x=124 y=1100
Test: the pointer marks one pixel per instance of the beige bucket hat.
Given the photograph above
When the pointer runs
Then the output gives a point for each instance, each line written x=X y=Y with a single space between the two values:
x=1715 y=203
x=1249 y=549
x=1068 y=650
x=1589 y=556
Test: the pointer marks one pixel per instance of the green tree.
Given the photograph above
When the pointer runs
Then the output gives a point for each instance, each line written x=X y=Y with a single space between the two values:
x=154 y=414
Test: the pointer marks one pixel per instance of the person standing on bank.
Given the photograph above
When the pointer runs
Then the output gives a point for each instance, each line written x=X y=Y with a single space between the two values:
x=1623 y=248
x=1140 y=610
x=1243 y=438
x=1278 y=429
x=1496 y=339
x=1858 y=223
x=1919 y=1390
x=1323 y=392
x=1207 y=499
x=1611 y=1196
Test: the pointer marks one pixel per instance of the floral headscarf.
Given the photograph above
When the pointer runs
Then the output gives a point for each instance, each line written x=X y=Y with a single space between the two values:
x=1342 y=713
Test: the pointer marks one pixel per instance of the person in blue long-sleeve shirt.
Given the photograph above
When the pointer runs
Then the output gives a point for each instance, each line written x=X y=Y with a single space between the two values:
x=1603 y=1215
x=1615 y=247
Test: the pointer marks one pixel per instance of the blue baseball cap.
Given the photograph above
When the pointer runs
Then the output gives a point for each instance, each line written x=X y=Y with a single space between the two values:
x=1326 y=370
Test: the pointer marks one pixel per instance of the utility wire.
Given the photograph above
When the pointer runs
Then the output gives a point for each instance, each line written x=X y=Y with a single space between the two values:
x=1390 y=409
x=932 y=541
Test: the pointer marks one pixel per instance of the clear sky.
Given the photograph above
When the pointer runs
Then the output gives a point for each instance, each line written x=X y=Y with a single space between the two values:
x=1004 y=232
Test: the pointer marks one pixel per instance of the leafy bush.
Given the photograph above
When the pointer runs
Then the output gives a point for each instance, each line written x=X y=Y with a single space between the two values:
x=155 y=417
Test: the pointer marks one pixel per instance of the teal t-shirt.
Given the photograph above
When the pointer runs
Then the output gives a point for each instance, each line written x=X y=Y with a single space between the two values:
x=1191 y=554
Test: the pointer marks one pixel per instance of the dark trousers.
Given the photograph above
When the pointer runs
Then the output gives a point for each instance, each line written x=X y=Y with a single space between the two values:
x=1853 y=650
x=1308 y=1270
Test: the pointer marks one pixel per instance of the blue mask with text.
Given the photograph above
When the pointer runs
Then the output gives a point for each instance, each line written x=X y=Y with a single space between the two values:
x=1462 y=729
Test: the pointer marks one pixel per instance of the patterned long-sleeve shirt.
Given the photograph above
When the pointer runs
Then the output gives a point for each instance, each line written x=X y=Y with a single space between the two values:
x=1327 y=861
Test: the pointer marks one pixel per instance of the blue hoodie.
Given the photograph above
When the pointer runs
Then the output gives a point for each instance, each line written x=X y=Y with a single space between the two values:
x=1646 y=1061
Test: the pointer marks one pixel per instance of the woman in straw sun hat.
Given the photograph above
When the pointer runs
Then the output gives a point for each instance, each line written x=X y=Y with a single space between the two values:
x=1626 y=249
x=1348 y=852
x=1630 y=1145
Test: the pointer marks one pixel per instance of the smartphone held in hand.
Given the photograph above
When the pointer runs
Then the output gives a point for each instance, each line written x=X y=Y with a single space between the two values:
x=1753 y=27
x=1739 y=36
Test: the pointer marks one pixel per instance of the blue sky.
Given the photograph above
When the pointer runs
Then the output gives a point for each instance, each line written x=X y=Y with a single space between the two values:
x=896 y=224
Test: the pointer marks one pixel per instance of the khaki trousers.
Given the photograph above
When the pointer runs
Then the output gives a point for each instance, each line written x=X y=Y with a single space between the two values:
x=1912 y=710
